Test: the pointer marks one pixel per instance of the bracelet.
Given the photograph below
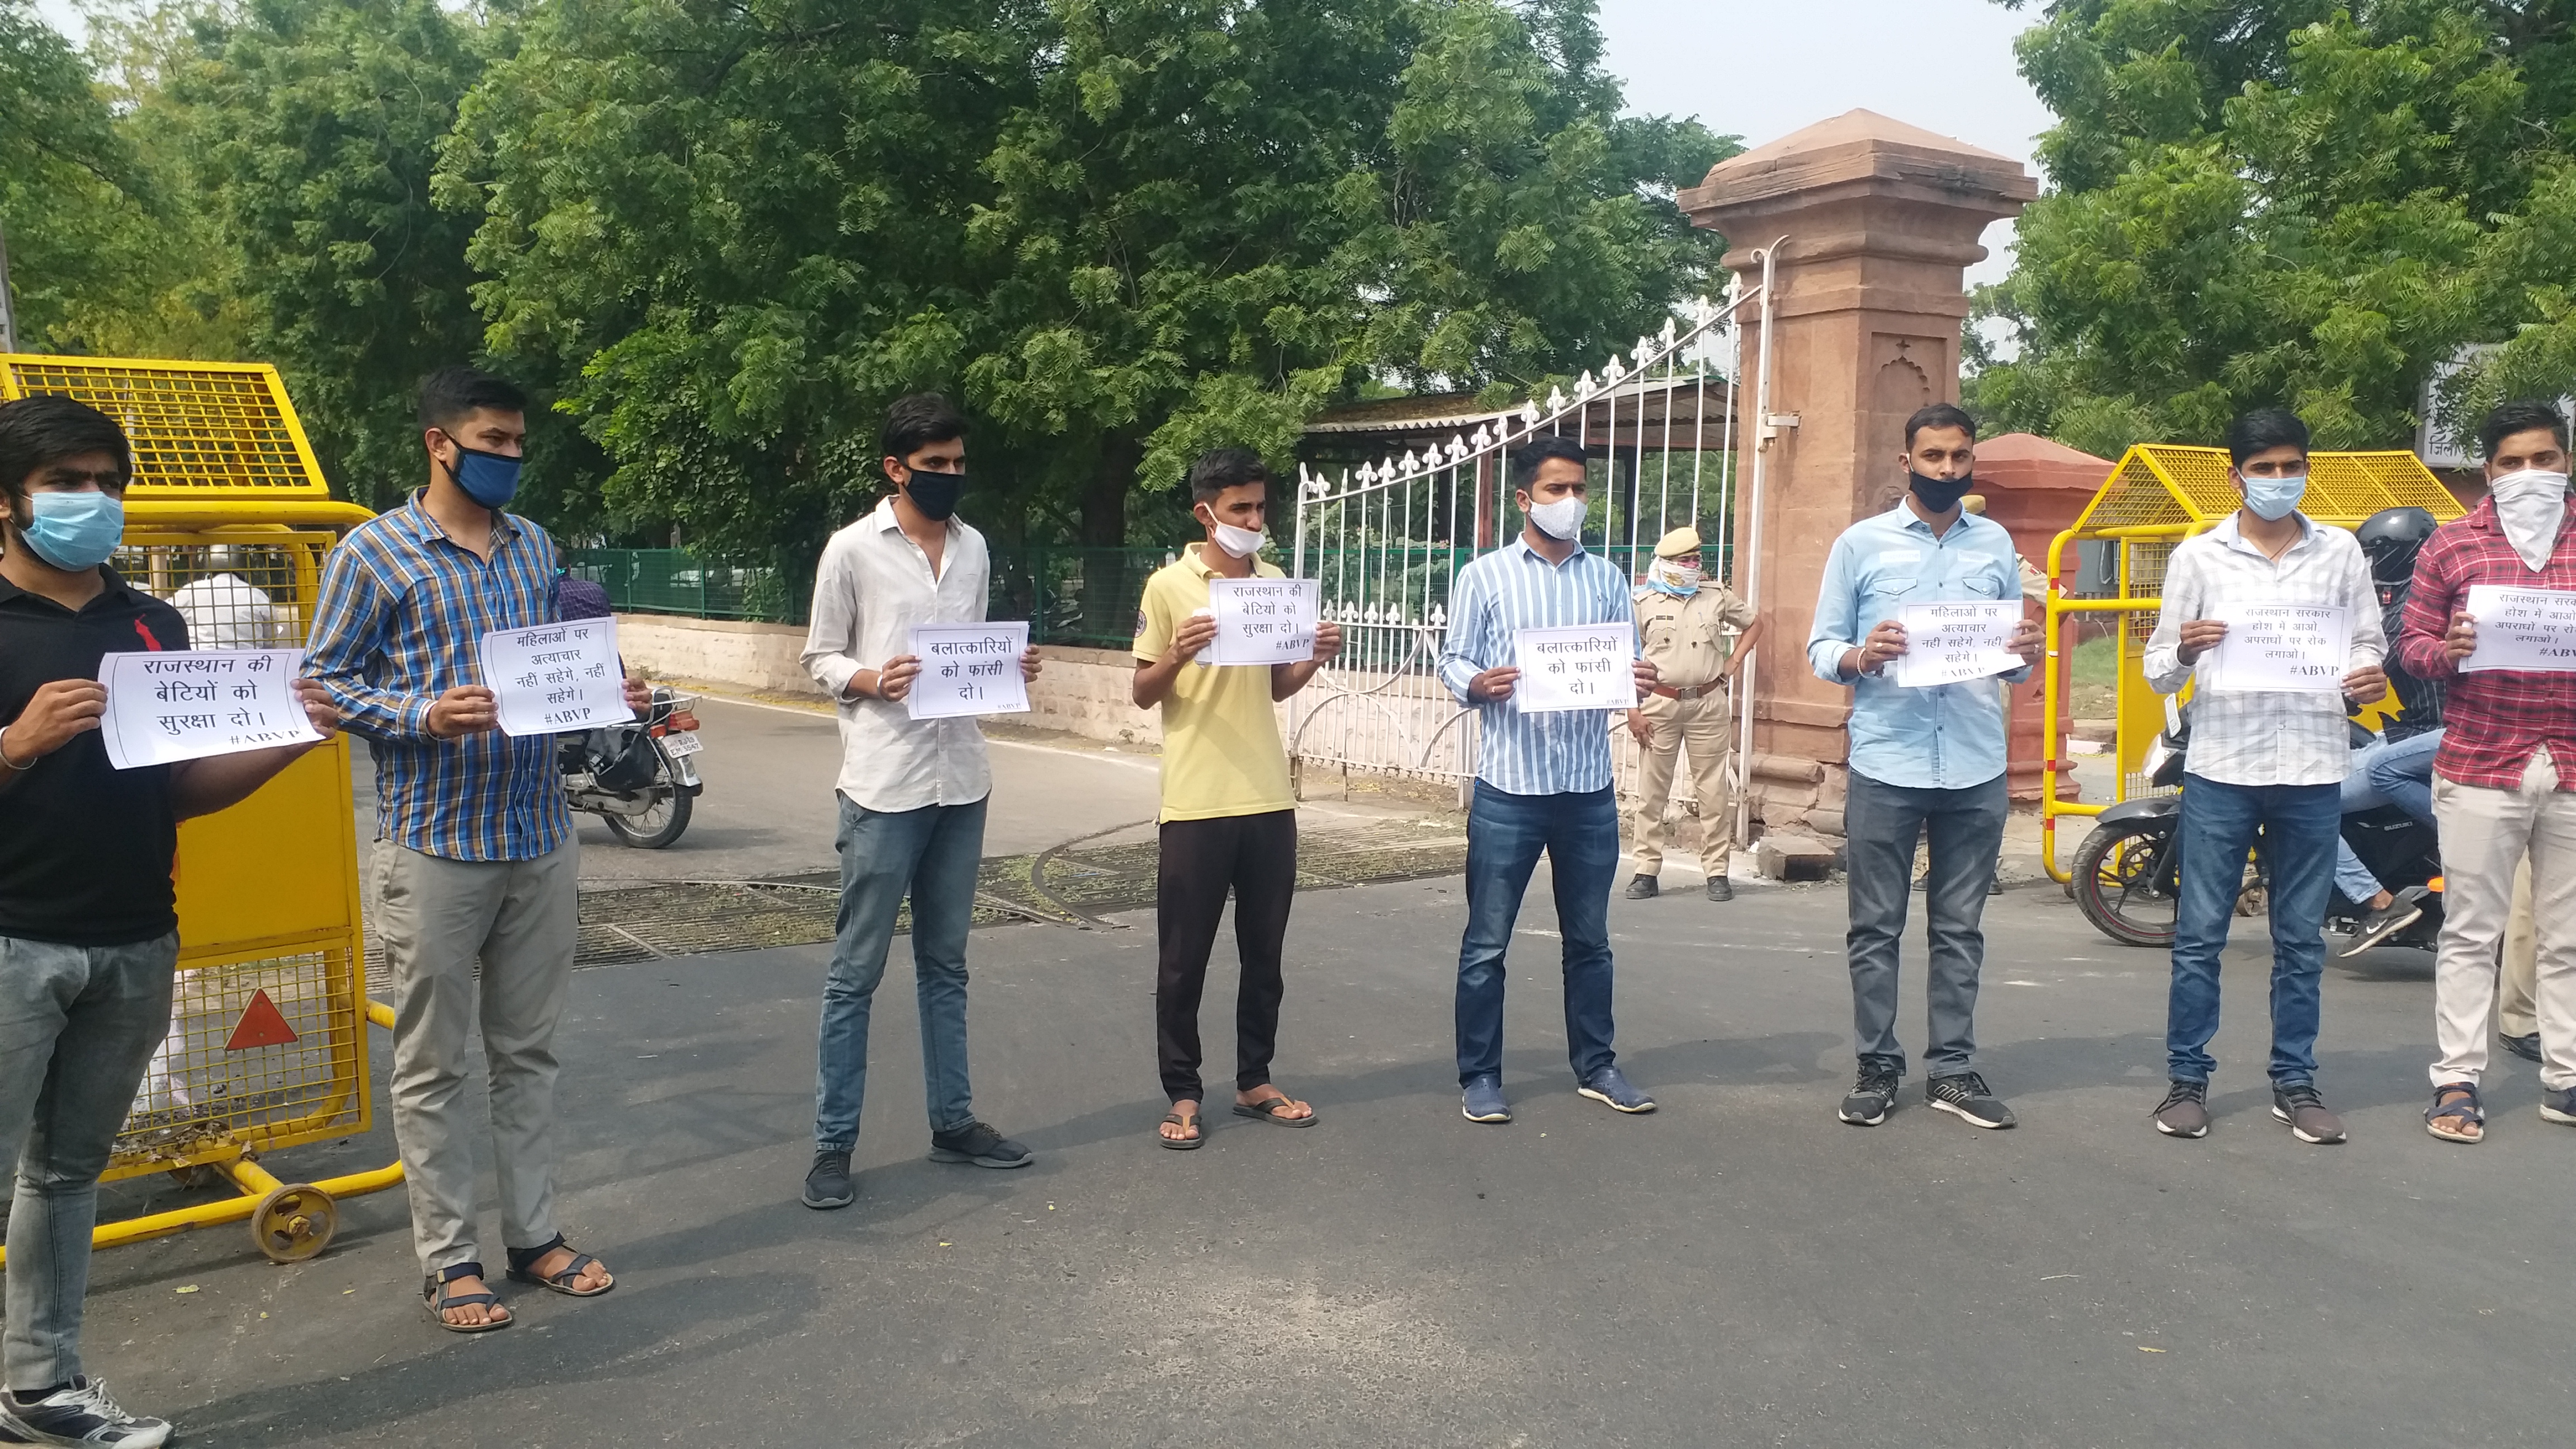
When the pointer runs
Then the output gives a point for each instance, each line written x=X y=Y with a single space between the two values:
x=4 y=754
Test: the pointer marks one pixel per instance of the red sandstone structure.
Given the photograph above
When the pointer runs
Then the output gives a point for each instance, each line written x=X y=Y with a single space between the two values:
x=1876 y=221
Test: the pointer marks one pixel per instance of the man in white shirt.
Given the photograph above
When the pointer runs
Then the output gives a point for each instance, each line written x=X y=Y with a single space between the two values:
x=225 y=610
x=2260 y=759
x=912 y=792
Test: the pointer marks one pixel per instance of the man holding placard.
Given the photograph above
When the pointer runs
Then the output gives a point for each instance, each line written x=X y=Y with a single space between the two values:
x=1919 y=613
x=2493 y=614
x=1542 y=645
x=88 y=922
x=2272 y=618
x=439 y=632
x=900 y=642
x=1228 y=819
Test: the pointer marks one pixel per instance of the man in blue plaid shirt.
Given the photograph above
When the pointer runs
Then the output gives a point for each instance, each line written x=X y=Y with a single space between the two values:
x=475 y=852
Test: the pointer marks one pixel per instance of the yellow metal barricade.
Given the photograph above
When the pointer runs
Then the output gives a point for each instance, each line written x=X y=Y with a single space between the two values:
x=228 y=520
x=2158 y=495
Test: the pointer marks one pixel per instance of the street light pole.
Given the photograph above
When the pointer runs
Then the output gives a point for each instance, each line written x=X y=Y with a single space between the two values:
x=8 y=314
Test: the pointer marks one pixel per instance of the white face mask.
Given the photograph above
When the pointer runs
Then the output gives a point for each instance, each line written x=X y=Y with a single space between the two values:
x=2530 y=506
x=1240 y=542
x=1561 y=519
x=1681 y=578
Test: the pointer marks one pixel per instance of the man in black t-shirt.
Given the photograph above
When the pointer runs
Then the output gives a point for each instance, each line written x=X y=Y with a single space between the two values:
x=88 y=920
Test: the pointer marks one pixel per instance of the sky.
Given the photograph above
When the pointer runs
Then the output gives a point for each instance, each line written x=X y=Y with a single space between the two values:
x=1761 y=69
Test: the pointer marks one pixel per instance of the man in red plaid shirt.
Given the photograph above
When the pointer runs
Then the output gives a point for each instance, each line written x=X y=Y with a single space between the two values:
x=2505 y=778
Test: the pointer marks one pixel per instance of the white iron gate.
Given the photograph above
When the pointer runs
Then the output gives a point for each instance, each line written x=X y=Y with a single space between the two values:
x=1387 y=540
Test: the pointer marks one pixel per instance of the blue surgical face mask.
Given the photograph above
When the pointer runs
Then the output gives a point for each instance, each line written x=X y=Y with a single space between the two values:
x=488 y=478
x=74 y=531
x=2274 y=498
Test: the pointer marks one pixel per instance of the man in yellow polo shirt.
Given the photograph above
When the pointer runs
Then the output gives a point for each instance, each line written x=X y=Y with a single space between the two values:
x=1229 y=820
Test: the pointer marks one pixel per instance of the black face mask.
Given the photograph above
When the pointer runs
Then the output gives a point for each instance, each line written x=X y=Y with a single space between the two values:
x=1940 y=495
x=935 y=494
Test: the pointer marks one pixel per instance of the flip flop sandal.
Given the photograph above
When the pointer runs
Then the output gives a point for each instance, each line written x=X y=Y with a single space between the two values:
x=2464 y=1107
x=1182 y=1144
x=523 y=1264
x=1267 y=1110
x=434 y=1296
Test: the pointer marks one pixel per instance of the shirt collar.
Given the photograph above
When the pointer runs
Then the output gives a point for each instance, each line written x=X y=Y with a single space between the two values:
x=886 y=522
x=1521 y=542
x=2231 y=535
x=504 y=526
x=117 y=590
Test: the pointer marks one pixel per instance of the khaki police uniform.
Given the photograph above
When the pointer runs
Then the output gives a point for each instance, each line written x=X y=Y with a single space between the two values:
x=1688 y=710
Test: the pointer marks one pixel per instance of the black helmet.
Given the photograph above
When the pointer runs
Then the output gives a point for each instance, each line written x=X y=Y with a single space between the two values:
x=2391 y=536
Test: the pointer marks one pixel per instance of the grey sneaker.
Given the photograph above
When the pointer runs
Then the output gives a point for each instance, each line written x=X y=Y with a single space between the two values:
x=827 y=1182
x=2525 y=1047
x=978 y=1143
x=1643 y=888
x=2298 y=1104
x=1481 y=1100
x=2185 y=1110
x=1874 y=1095
x=79 y=1414
x=1963 y=1095
x=2377 y=926
x=2558 y=1104
x=1612 y=1086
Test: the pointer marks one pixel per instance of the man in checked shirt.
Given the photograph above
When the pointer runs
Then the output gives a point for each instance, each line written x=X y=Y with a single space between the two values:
x=2504 y=775
x=2267 y=760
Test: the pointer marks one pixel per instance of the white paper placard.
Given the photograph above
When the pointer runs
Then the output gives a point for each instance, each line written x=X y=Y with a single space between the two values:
x=2533 y=629
x=1586 y=666
x=1951 y=643
x=1263 y=621
x=167 y=707
x=556 y=677
x=2281 y=649
x=968 y=669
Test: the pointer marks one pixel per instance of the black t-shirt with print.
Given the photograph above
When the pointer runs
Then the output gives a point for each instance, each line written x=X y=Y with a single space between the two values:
x=85 y=848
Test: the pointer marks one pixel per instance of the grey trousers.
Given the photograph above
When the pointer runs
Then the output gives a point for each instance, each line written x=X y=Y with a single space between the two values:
x=78 y=1024
x=436 y=917
x=1966 y=828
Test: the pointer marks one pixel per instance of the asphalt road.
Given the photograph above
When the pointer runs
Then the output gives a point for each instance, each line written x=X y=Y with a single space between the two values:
x=1735 y=1269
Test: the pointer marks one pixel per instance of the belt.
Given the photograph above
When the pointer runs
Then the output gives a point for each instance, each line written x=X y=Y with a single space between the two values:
x=1691 y=692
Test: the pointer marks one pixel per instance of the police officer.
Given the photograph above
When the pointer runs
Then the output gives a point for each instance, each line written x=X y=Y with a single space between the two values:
x=1680 y=617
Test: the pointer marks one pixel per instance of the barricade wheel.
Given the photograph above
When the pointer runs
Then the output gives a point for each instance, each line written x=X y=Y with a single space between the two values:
x=294 y=1223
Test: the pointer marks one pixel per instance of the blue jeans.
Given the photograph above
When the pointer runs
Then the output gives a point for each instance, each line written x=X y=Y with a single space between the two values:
x=930 y=854
x=1505 y=833
x=78 y=1025
x=2299 y=826
x=2358 y=794
x=2403 y=772
x=1882 y=822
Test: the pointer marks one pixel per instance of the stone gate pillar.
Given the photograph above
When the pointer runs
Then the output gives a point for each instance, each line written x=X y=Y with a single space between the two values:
x=1880 y=220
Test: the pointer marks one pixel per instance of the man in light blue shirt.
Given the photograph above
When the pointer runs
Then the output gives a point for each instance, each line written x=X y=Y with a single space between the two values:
x=1924 y=757
x=1542 y=781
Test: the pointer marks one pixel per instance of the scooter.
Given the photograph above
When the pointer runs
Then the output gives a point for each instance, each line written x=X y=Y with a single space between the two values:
x=2126 y=880
x=638 y=778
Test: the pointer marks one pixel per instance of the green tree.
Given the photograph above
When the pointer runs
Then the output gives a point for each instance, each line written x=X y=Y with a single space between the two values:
x=2287 y=201
x=73 y=191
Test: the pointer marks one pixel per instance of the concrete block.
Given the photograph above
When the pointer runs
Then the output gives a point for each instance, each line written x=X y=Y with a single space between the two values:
x=1793 y=857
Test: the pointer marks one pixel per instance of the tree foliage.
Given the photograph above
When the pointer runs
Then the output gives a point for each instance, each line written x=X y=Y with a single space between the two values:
x=2290 y=201
x=72 y=188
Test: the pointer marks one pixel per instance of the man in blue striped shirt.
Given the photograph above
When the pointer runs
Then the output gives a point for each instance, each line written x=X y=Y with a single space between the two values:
x=475 y=854
x=1542 y=781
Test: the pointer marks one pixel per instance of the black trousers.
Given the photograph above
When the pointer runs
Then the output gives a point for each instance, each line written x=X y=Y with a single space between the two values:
x=1256 y=857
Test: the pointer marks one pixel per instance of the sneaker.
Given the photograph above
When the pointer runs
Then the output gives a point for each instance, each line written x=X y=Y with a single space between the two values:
x=1873 y=1096
x=1720 y=888
x=978 y=1143
x=2298 y=1104
x=1643 y=888
x=1609 y=1085
x=2525 y=1047
x=1963 y=1095
x=1482 y=1100
x=2558 y=1104
x=80 y=1414
x=827 y=1182
x=2185 y=1110
x=2377 y=926
x=1995 y=887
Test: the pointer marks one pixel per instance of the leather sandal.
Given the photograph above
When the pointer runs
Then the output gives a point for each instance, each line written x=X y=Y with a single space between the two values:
x=523 y=1264
x=433 y=1293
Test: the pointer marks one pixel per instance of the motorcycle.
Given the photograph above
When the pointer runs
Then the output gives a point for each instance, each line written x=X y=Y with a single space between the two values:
x=2127 y=883
x=638 y=778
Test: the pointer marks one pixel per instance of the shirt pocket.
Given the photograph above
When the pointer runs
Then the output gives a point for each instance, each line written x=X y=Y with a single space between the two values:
x=1981 y=586
x=1882 y=594
x=1660 y=633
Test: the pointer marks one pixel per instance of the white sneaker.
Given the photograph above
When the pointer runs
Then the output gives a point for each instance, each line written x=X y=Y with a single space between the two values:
x=79 y=1416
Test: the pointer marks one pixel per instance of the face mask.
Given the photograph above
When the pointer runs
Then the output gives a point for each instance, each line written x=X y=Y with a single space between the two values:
x=2530 y=506
x=1561 y=519
x=1240 y=542
x=1939 y=495
x=935 y=494
x=1673 y=578
x=2274 y=498
x=489 y=479
x=74 y=531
